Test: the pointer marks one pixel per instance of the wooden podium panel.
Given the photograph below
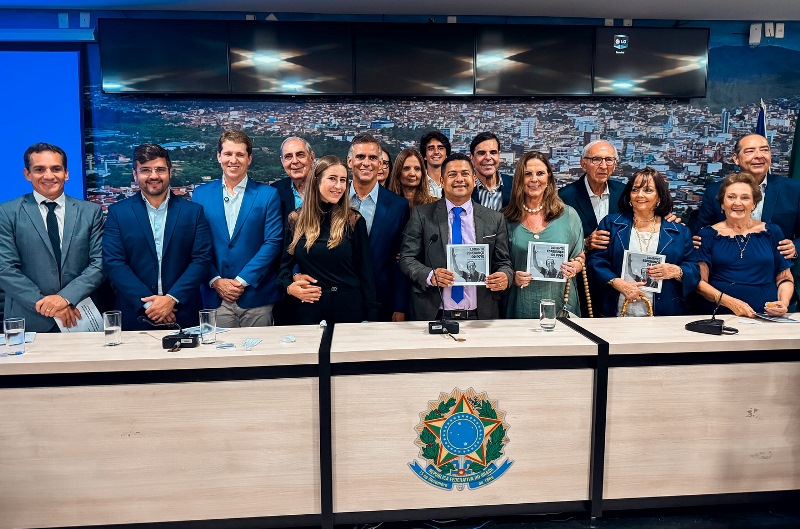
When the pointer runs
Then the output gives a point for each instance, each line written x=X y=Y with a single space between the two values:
x=142 y=351
x=667 y=334
x=358 y=342
x=703 y=429
x=87 y=455
x=549 y=416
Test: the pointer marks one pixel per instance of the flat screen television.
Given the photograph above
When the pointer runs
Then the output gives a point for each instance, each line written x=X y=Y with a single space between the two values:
x=534 y=60
x=291 y=58
x=665 y=62
x=414 y=59
x=164 y=56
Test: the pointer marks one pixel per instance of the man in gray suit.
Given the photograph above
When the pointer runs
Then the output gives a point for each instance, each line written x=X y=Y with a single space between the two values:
x=432 y=227
x=50 y=245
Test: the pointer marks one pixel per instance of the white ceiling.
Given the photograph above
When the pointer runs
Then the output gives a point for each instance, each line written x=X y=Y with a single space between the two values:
x=749 y=10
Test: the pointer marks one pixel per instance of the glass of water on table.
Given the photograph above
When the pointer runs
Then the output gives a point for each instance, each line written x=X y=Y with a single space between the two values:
x=112 y=326
x=14 y=333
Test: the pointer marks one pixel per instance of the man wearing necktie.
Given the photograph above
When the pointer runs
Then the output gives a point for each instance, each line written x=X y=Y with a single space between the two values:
x=456 y=219
x=50 y=245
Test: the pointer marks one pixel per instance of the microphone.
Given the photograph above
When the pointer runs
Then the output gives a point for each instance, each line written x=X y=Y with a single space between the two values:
x=176 y=341
x=711 y=325
x=441 y=326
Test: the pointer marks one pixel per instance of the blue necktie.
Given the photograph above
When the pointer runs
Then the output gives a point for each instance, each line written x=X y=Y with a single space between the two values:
x=457 y=293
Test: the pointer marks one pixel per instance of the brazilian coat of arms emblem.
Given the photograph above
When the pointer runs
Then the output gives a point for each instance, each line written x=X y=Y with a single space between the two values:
x=461 y=437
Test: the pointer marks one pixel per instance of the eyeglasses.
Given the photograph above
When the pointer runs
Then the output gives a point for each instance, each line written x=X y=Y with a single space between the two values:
x=385 y=163
x=147 y=171
x=597 y=160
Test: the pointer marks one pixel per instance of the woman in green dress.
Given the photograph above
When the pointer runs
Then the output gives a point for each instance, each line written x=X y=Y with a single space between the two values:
x=536 y=214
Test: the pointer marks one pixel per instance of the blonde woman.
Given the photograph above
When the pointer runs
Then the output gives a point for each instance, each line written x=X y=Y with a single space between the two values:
x=326 y=263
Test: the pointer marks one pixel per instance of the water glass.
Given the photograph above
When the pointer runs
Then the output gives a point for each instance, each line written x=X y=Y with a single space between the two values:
x=547 y=314
x=14 y=330
x=112 y=326
x=208 y=326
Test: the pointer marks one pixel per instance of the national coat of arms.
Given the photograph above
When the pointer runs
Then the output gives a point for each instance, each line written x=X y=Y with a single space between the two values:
x=461 y=437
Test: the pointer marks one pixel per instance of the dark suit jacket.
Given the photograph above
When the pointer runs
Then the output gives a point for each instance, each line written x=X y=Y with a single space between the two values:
x=575 y=195
x=674 y=241
x=284 y=189
x=28 y=269
x=781 y=206
x=418 y=256
x=507 y=181
x=385 y=238
x=253 y=252
x=129 y=255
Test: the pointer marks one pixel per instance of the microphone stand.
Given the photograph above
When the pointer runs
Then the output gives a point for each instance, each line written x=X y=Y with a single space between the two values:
x=442 y=325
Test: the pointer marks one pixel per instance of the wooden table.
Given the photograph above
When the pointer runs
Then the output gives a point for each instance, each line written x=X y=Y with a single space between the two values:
x=129 y=434
x=387 y=376
x=696 y=416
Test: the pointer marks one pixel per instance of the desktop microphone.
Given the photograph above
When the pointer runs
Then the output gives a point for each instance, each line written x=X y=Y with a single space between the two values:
x=712 y=325
x=441 y=326
x=180 y=340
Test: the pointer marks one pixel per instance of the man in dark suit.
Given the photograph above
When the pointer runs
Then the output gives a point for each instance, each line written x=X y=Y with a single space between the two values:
x=386 y=214
x=50 y=245
x=297 y=158
x=156 y=248
x=244 y=217
x=594 y=196
x=781 y=202
x=492 y=189
x=432 y=227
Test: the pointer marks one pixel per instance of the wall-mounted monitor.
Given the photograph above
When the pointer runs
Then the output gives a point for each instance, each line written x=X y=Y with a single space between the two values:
x=666 y=62
x=291 y=58
x=164 y=56
x=534 y=60
x=414 y=59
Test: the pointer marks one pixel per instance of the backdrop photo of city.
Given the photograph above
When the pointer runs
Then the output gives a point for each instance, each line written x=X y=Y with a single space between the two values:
x=689 y=141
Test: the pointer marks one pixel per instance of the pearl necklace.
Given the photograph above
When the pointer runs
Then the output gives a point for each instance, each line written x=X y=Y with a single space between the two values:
x=532 y=210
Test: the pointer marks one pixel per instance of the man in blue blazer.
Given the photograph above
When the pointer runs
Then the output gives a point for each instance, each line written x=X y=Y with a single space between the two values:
x=156 y=248
x=781 y=202
x=246 y=238
x=49 y=260
x=386 y=214
x=297 y=158
x=594 y=195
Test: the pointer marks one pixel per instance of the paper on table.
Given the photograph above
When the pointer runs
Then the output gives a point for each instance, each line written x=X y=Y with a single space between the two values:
x=91 y=320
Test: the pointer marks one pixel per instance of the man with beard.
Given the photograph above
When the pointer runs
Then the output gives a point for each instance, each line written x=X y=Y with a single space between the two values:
x=435 y=147
x=156 y=248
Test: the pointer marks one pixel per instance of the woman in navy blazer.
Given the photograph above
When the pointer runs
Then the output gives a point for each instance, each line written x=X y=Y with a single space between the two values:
x=640 y=227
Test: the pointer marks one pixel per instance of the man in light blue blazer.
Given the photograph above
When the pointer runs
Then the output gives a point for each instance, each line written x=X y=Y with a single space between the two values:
x=156 y=248
x=50 y=245
x=246 y=238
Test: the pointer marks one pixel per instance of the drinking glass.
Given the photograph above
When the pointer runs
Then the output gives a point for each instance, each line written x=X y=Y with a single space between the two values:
x=112 y=326
x=14 y=331
x=208 y=326
x=547 y=314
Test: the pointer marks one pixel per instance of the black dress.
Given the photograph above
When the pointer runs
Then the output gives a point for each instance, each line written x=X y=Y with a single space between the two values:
x=344 y=273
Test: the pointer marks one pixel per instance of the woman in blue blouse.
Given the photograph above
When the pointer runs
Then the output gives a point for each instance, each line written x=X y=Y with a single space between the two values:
x=640 y=227
x=740 y=266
